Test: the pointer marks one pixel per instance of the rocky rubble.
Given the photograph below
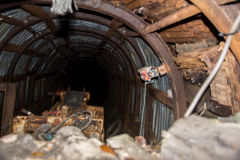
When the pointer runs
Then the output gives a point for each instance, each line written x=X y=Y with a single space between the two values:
x=70 y=144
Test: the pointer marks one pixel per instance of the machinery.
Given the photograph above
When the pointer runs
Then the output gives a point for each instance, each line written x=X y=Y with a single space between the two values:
x=72 y=110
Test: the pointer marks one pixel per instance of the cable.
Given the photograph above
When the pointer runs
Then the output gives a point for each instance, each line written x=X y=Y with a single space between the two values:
x=141 y=132
x=214 y=71
x=72 y=116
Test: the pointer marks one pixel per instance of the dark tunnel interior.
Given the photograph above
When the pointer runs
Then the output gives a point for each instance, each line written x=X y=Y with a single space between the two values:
x=97 y=51
x=90 y=76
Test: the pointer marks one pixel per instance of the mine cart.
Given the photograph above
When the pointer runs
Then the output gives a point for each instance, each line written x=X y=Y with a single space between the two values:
x=71 y=110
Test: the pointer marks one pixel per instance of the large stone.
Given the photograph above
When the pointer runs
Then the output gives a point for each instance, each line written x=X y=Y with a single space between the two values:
x=126 y=148
x=201 y=138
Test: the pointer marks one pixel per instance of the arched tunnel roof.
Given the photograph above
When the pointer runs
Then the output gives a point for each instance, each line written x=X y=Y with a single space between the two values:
x=35 y=42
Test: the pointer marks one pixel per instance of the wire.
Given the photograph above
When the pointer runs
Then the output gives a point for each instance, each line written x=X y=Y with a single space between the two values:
x=141 y=132
x=214 y=71
x=72 y=116
x=227 y=34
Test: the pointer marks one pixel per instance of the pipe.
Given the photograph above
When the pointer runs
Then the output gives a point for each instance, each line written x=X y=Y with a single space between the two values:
x=214 y=71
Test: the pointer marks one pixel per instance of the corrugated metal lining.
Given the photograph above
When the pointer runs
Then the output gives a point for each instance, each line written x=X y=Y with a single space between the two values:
x=134 y=55
x=151 y=59
x=26 y=90
x=5 y=62
x=147 y=52
x=39 y=26
x=58 y=40
x=46 y=49
x=162 y=115
x=47 y=62
x=83 y=46
x=81 y=23
x=108 y=46
x=133 y=98
x=21 y=38
x=47 y=9
x=43 y=92
x=18 y=13
x=4 y=29
x=142 y=99
x=33 y=63
x=19 y=69
x=42 y=64
x=51 y=62
x=35 y=43
x=162 y=118
x=35 y=94
x=84 y=38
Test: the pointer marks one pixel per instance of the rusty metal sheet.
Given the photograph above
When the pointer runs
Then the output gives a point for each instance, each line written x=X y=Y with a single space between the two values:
x=19 y=69
x=83 y=23
x=4 y=30
x=21 y=37
x=18 y=14
x=39 y=27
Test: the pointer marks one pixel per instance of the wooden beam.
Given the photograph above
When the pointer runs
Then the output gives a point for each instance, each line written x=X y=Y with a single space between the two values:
x=179 y=15
x=40 y=13
x=189 y=32
x=138 y=3
x=8 y=109
x=221 y=20
x=11 y=20
x=224 y=87
x=161 y=96
x=114 y=25
x=2 y=87
x=127 y=1
x=13 y=48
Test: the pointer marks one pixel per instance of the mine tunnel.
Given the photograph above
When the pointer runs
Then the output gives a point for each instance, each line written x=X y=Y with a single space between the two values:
x=100 y=47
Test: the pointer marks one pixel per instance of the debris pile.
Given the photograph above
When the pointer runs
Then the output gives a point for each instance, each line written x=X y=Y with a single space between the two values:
x=69 y=143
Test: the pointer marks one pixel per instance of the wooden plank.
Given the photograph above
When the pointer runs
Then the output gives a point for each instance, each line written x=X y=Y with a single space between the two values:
x=194 y=65
x=13 y=48
x=2 y=87
x=138 y=3
x=19 y=49
x=160 y=96
x=225 y=86
x=8 y=109
x=198 y=59
x=114 y=25
x=221 y=20
x=179 y=15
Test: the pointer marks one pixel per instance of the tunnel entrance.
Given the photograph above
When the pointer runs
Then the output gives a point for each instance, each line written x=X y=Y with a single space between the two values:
x=100 y=51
